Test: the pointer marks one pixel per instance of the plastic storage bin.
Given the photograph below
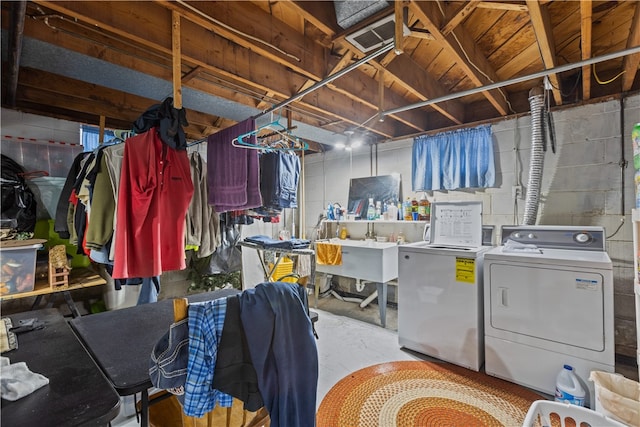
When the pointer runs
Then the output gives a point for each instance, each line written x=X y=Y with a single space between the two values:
x=549 y=413
x=18 y=267
x=617 y=397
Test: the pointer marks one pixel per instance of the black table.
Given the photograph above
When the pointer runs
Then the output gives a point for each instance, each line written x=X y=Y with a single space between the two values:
x=121 y=341
x=77 y=394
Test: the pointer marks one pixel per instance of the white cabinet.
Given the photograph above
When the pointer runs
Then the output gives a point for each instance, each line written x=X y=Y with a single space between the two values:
x=635 y=214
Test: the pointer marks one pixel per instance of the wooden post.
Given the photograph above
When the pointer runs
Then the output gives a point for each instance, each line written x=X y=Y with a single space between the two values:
x=380 y=94
x=177 y=60
x=103 y=121
x=398 y=8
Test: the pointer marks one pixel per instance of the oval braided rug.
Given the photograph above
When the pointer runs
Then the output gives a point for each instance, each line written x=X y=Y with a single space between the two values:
x=416 y=393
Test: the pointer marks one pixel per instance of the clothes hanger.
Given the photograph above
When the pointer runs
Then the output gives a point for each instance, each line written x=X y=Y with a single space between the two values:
x=283 y=142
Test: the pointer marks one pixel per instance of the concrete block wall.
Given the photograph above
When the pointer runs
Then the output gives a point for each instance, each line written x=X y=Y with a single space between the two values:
x=585 y=182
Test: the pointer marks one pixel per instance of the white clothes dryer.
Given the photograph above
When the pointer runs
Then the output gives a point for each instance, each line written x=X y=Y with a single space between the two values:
x=548 y=302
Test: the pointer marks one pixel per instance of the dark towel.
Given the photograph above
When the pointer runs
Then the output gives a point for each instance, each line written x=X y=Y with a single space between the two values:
x=234 y=372
x=233 y=173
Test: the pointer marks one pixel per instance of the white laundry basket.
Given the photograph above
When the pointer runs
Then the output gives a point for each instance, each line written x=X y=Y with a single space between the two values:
x=617 y=397
x=545 y=412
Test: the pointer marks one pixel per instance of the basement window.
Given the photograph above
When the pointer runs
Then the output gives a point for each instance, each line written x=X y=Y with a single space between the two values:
x=90 y=137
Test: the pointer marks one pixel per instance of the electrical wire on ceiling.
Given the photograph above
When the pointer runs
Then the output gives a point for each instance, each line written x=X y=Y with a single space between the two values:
x=243 y=34
x=575 y=85
x=595 y=75
x=224 y=84
x=44 y=17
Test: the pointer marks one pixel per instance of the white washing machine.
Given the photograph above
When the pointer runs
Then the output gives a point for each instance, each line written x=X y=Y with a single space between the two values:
x=440 y=287
x=547 y=303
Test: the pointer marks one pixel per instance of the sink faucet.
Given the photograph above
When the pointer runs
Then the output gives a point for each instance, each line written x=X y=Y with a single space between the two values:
x=370 y=231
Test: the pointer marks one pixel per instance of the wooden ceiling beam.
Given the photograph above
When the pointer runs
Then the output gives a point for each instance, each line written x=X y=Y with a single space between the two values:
x=322 y=14
x=99 y=100
x=459 y=15
x=544 y=35
x=585 y=45
x=265 y=36
x=368 y=88
x=217 y=54
x=415 y=79
x=515 y=7
x=16 y=31
x=195 y=71
x=463 y=51
x=631 y=62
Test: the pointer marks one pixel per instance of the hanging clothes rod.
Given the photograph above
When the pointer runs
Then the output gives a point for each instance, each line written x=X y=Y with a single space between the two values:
x=199 y=141
x=318 y=85
x=329 y=79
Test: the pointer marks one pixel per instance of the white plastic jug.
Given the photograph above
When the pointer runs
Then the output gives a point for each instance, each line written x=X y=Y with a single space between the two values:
x=568 y=387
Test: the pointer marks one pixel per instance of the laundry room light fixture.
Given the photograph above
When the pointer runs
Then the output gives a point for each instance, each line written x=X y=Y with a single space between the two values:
x=352 y=142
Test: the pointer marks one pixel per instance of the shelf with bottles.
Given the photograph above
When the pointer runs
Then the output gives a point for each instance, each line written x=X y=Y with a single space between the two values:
x=373 y=221
x=412 y=231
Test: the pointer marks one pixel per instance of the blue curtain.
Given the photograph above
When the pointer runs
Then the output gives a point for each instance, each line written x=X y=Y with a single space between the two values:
x=450 y=160
x=90 y=137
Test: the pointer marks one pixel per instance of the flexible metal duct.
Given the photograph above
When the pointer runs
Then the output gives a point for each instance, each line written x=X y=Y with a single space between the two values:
x=350 y=12
x=536 y=101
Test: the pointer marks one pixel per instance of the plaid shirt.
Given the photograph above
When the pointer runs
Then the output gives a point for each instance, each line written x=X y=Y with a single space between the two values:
x=206 y=321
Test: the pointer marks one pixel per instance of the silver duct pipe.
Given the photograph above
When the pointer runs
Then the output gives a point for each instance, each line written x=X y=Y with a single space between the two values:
x=520 y=79
x=536 y=101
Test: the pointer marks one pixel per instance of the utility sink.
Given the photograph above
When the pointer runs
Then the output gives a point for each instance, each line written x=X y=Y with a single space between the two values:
x=365 y=260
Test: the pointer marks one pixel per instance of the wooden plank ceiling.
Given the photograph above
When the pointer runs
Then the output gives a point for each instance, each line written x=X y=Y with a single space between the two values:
x=261 y=53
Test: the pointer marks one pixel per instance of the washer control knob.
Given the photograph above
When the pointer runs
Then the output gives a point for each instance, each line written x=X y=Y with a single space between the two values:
x=582 y=238
x=531 y=236
x=517 y=235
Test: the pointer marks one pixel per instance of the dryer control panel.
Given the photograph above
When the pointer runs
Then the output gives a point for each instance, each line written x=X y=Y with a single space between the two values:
x=589 y=238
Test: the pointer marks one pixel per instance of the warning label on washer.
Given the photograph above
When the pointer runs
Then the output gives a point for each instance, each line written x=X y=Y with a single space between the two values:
x=587 y=284
x=465 y=270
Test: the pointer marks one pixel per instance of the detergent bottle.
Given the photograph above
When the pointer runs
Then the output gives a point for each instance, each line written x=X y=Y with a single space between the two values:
x=568 y=387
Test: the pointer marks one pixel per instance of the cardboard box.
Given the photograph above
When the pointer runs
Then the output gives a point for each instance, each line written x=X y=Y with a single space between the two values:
x=18 y=266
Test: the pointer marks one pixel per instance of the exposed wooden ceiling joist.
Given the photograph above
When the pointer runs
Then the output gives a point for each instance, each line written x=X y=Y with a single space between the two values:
x=238 y=58
x=630 y=63
x=464 y=51
x=544 y=34
x=18 y=11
